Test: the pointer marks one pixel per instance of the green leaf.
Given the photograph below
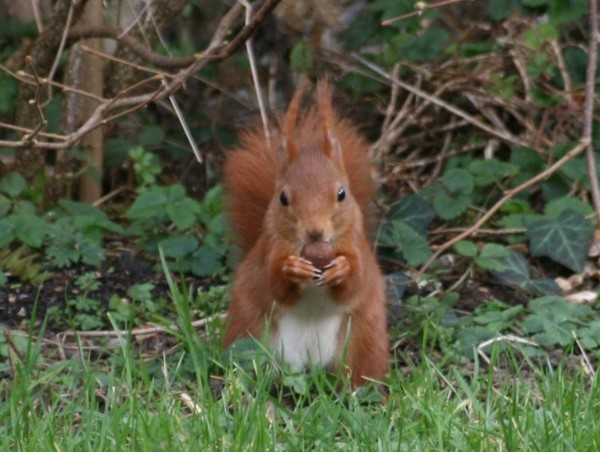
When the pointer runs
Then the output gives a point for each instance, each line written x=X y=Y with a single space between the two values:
x=206 y=261
x=589 y=337
x=559 y=205
x=496 y=315
x=302 y=58
x=179 y=246
x=140 y=292
x=8 y=92
x=91 y=252
x=414 y=211
x=576 y=62
x=183 y=212
x=13 y=184
x=563 y=11
x=538 y=35
x=553 y=319
x=514 y=269
x=466 y=248
x=454 y=197
x=458 y=181
x=468 y=339
x=5 y=206
x=31 y=230
x=148 y=204
x=491 y=255
x=7 y=226
x=564 y=239
x=424 y=47
x=414 y=246
x=543 y=286
x=491 y=171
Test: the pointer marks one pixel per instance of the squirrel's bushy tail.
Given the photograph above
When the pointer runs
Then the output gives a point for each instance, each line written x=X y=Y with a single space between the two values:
x=251 y=170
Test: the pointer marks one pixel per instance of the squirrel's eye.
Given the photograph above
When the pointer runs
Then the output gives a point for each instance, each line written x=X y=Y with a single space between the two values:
x=283 y=199
x=341 y=195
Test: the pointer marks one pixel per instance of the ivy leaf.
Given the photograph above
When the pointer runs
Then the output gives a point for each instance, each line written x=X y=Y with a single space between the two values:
x=414 y=211
x=543 y=286
x=564 y=239
x=515 y=272
x=512 y=270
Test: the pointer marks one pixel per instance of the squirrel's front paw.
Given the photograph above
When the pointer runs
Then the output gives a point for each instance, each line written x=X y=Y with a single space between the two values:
x=335 y=272
x=300 y=270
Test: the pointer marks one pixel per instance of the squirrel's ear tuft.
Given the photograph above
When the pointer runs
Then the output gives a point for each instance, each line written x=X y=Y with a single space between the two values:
x=331 y=146
x=289 y=122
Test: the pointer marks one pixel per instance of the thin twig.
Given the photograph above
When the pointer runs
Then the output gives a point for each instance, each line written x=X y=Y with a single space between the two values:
x=588 y=368
x=42 y=122
x=61 y=48
x=420 y=7
x=142 y=331
x=219 y=48
x=590 y=85
x=186 y=128
x=439 y=102
x=254 y=72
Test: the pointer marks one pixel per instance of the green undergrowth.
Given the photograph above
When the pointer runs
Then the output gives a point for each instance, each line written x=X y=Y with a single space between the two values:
x=194 y=395
x=198 y=397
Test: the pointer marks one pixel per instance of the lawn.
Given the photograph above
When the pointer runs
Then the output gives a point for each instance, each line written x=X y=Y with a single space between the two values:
x=173 y=389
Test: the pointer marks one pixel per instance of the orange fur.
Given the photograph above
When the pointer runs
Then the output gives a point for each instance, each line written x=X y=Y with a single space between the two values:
x=281 y=198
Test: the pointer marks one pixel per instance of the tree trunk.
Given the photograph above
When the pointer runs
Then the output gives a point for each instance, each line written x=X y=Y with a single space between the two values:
x=30 y=160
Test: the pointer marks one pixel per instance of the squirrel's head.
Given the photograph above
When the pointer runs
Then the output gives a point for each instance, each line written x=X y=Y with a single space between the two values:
x=313 y=199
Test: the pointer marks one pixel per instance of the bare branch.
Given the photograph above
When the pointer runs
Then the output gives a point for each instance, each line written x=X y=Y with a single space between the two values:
x=217 y=49
x=439 y=102
x=588 y=109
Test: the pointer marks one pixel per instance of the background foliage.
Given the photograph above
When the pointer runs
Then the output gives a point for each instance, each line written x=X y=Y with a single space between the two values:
x=464 y=103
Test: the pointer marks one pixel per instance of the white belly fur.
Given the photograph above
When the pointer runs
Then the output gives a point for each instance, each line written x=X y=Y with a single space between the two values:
x=308 y=332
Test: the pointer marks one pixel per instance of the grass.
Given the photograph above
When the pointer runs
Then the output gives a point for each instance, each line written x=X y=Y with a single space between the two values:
x=196 y=397
x=79 y=405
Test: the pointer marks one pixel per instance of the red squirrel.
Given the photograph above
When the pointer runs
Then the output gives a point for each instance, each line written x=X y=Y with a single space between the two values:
x=309 y=183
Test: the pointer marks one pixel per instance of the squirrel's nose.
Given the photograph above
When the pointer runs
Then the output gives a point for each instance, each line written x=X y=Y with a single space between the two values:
x=315 y=235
